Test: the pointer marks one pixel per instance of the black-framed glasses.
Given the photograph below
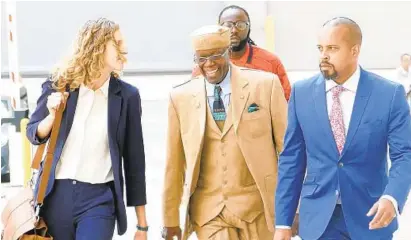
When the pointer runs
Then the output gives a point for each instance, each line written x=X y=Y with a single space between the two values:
x=202 y=60
x=240 y=25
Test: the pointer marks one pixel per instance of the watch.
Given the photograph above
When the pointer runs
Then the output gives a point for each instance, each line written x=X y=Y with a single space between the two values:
x=143 y=229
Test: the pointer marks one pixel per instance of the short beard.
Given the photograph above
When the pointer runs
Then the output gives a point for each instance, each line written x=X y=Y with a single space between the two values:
x=328 y=76
x=242 y=44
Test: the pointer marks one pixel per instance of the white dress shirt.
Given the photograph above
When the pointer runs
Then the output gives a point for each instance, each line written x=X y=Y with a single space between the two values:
x=225 y=91
x=347 y=99
x=86 y=153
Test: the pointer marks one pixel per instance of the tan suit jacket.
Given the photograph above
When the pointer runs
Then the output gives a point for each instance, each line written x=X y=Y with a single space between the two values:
x=259 y=135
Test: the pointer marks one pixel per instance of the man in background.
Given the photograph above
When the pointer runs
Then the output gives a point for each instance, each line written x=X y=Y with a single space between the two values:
x=244 y=52
x=403 y=75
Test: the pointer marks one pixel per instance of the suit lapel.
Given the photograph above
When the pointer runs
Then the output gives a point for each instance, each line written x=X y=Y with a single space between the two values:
x=200 y=103
x=210 y=122
x=228 y=122
x=239 y=95
x=320 y=102
x=70 y=111
x=198 y=109
x=114 y=108
x=361 y=100
x=66 y=122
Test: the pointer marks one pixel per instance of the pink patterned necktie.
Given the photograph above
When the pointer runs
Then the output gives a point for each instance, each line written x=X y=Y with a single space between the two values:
x=336 y=118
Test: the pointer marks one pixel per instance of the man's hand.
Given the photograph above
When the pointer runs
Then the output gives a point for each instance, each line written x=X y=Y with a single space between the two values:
x=384 y=212
x=170 y=232
x=282 y=234
x=140 y=235
x=296 y=224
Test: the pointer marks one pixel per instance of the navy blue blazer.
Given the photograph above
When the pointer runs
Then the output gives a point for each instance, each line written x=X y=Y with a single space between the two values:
x=125 y=141
x=359 y=176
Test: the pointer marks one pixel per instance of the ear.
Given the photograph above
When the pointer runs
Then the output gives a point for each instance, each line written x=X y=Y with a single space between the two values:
x=355 y=50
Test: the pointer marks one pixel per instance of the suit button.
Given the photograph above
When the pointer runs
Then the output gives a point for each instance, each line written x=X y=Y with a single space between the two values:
x=74 y=182
x=341 y=164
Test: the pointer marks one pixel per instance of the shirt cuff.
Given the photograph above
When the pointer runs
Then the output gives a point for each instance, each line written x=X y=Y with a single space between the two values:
x=394 y=202
x=282 y=227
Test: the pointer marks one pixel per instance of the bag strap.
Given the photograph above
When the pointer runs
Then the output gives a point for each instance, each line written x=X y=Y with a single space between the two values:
x=44 y=178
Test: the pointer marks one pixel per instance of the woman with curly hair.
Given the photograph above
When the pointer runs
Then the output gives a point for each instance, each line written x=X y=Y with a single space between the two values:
x=100 y=134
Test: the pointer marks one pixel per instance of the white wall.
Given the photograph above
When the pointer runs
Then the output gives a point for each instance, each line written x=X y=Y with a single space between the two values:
x=386 y=28
x=158 y=32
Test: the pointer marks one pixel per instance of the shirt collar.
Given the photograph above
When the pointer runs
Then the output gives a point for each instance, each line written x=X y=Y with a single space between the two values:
x=225 y=85
x=351 y=84
x=103 y=88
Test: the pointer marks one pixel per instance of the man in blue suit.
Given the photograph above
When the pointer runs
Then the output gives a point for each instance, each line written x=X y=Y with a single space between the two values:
x=335 y=149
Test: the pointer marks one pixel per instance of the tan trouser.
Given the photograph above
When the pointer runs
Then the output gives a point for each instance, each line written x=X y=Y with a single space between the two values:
x=227 y=226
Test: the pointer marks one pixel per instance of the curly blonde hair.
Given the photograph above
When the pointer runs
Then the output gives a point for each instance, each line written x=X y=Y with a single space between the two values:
x=88 y=58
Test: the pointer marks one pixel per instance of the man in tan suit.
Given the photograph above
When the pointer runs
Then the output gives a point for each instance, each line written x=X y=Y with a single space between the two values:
x=225 y=130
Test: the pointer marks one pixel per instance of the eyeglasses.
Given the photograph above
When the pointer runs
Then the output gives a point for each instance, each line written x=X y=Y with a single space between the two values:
x=202 y=60
x=240 y=25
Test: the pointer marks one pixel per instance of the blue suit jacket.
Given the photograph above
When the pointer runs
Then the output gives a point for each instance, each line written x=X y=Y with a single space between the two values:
x=125 y=141
x=380 y=115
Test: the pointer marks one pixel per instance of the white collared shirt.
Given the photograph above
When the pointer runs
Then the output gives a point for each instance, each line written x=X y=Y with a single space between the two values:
x=86 y=153
x=225 y=91
x=347 y=97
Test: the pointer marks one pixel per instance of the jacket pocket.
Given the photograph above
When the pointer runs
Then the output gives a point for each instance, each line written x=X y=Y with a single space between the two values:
x=309 y=190
x=309 y=187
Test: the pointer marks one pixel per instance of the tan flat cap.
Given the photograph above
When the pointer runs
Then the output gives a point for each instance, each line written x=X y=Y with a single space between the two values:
x=210 y=37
